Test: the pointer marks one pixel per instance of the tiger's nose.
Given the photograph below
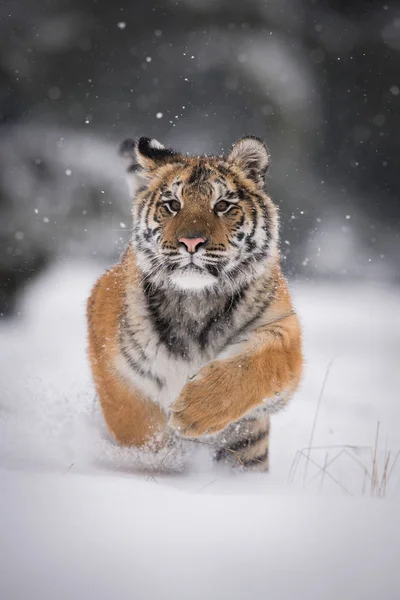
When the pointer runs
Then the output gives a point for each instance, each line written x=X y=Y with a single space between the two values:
x=192 y=243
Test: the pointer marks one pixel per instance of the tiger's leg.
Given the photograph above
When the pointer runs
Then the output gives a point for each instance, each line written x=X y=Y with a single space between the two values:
x=132 y=419
x=245 y=442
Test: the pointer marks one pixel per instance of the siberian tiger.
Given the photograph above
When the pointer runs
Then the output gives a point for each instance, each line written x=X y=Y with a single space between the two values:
x=193 y=332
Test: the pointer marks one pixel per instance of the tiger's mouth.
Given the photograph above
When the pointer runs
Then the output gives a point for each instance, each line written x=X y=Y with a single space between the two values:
x=192 y=277
x=191 y=268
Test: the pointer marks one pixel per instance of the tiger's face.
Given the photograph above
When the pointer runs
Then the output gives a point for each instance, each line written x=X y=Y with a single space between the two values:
x=202 y=222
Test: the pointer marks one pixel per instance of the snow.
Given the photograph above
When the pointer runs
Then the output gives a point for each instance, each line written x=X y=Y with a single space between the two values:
x=81 y=518
x=106 y=537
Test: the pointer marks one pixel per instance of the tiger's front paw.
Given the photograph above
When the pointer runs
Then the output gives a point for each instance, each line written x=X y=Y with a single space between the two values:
x=210 y=402
x=196 y=412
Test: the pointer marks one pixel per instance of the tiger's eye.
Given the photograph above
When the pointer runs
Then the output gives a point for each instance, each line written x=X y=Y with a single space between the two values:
x=175 y=205
x=221 y=206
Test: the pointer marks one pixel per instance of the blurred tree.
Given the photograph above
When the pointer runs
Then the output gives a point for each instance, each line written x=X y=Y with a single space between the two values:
x=317 y=80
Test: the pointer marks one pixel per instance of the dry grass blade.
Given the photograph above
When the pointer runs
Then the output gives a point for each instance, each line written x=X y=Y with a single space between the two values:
x=321 y=484
x=308 y=458
x=296 y=460
x=378 y=484
x=294 y=466
x=236 y=454
x=374 y=476
x=382 y=487
x=151 y=477
x=323 y=470
x=71 y=466
x=327 y=464
x=344 y=451
x=316 y=416
x=206 y=486
x=396 y=458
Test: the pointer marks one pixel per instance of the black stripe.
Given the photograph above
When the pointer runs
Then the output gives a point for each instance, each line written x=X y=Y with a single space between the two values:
x=224 y=452
x=165 y=328
x=222 y=320
x=135 y=344
x=253 y=462
x=143 y=372
x=149 y=206
x=147 y=234
x=250 y=244
x=198 y=174
x=277 y=331
x=248 y=323
x=254 y=215
x=266 y=226
x=159 y=155
x=223 y=170
x=203 y=335
x=213 y=269
x=143 y=203
x=250 y=441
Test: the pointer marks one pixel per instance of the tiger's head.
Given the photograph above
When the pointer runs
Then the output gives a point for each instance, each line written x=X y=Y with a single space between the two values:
x=202 y=222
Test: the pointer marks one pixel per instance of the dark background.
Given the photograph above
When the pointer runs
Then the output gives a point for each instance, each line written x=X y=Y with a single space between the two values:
x=318 y=81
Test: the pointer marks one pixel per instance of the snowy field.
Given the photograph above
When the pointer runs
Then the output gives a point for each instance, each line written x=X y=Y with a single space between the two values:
x=81 y=518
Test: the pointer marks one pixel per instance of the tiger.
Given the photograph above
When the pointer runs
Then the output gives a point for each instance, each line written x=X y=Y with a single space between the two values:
x=193 y=334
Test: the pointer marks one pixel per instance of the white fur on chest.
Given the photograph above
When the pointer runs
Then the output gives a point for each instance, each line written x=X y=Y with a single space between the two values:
x=174 y=374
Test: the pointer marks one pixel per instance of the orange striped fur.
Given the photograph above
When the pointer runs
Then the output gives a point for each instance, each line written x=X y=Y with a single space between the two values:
x=196 y=341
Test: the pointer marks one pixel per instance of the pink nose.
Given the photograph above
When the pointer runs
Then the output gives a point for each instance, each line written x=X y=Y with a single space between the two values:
x=192 y=243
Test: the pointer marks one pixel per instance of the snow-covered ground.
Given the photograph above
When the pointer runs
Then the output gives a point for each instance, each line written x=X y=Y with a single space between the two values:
x=81 y=518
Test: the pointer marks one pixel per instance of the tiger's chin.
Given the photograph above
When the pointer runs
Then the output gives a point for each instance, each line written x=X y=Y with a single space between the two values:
x=192 y=280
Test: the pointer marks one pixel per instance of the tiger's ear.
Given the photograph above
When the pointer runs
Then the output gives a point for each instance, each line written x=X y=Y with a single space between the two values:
x=146 y=154
x=251 y=155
